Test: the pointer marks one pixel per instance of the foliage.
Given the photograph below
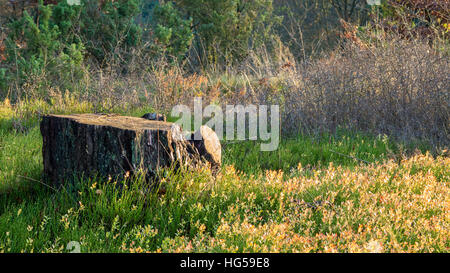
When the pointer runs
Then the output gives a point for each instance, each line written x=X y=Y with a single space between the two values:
x=227 y=30
x=108 y=27
x=56 y=41
x=424 y=19
x=173 y=33
x=394 y=206
x=311 y=27
x=43 y=47
x=349 y=10
x=349 y=180
x=419 y=12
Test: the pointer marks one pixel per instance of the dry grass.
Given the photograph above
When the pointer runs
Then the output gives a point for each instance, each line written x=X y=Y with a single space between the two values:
x=400 y=89
x=387 y=86
x=392 y=86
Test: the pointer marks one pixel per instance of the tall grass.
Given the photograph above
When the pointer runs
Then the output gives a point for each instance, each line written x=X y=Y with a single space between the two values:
x=326 y=190
x=389 y=207
x=381 y=83
x=394 y=86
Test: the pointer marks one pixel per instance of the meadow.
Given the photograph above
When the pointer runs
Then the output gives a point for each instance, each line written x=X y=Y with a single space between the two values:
x=346 y=192
x=363 y=163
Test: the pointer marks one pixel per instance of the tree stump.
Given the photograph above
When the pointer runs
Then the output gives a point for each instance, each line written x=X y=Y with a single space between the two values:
x=108 y=146
x=208 y=146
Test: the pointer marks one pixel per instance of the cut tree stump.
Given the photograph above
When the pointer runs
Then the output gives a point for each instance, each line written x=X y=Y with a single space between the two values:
x=208 y=146
x=109 y=146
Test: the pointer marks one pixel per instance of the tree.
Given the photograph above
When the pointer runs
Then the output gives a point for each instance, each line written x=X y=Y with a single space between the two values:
x=56 y=39
x=349 y=10
x=226 y=29
x=173 y=34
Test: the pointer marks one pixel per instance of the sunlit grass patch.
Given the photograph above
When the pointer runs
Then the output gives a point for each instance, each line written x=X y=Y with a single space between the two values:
x=369 y=208
x=20 y=157
x=344 y=148
x=347 y=192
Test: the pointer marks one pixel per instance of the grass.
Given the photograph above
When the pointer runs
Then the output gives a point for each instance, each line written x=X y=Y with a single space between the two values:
x=344 y=148
x=347 y=192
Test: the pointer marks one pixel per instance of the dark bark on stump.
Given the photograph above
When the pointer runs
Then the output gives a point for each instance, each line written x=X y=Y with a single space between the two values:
x=108 y=146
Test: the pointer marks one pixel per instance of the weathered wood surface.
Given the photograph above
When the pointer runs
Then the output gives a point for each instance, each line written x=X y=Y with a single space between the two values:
x=207 y=144
x=106 y=145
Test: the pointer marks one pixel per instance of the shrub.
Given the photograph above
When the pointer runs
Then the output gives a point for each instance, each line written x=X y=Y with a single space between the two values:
x=54 y=44
x=38 y=48
x=173 y=34
x=397 y=88
x=227 y=30
x=424 y=19
x=108 y=27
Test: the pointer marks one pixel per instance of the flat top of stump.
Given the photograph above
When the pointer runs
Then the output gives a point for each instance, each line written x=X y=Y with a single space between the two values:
x=122 y=122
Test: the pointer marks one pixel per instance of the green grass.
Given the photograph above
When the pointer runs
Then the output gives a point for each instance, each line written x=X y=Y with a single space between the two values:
x=200 y=213
x=344 y=148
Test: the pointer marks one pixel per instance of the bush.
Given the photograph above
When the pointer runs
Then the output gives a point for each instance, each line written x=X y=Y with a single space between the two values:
x=172 y=33
x=227 y=30
x=42 y=48
x=426 y=19
x=312 y=26
x=54 y=43
x=398 y=89
x=108 y=27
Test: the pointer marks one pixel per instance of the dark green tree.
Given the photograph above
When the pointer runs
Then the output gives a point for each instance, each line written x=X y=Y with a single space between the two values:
x=172 y=34
x=56 y=40
x=228 y=29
